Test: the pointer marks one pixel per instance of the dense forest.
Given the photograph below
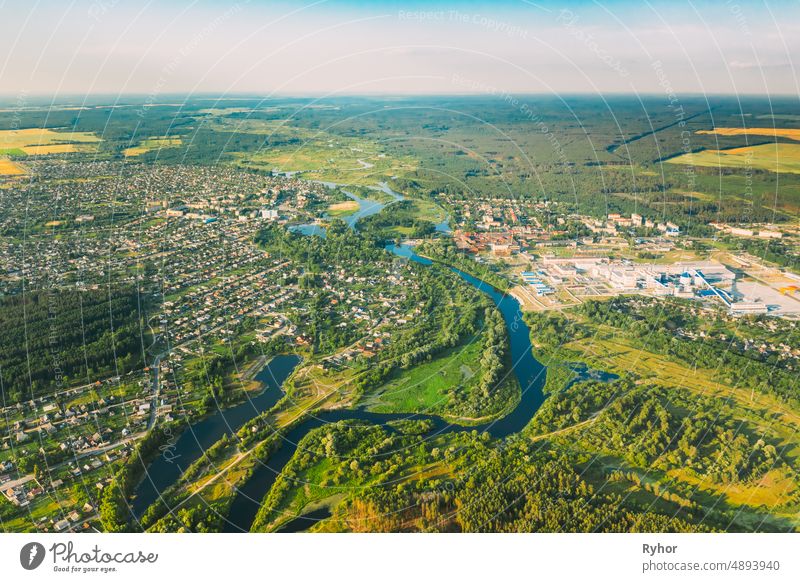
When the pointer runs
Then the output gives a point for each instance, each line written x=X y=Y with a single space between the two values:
x=648 y=320
x=487 y=486
x=50 y=340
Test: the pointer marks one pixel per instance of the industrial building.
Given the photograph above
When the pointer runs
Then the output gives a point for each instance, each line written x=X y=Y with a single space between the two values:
x=690 y=280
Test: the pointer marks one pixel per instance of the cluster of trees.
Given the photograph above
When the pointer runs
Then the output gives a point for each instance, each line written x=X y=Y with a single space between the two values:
x=562 y=409
x=638 y=316
x=40 y=459
x=572 y=230
x=655 y=325
x=773 y=250
x=56 y=338
x=211 y=375
x=514 y=488
x=553 y=329
x=451 y=313
x=399 y=214
x=203 y=517
x=735 y=369
x=344 y=455
x=115 y=510
x=652 y=427
x=649 y=426
x=495 y=350
x=536 y=492
x=445 y=251
x=654 y=487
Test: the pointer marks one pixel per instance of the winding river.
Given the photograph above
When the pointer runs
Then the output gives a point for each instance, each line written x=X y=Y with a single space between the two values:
x=190 y=445
x=366 y=207
x=529 y=373
x=180 y=452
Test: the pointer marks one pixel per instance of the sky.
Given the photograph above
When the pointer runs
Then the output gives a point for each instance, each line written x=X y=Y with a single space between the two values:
x=338 y=47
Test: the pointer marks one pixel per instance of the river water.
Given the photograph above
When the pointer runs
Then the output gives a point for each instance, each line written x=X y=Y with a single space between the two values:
x=529 y=372
x=178 y=453
x=366 y=207
x=167 y=468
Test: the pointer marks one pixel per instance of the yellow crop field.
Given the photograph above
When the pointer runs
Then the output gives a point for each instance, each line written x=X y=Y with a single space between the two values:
x=134 y=151
x=341 y=209
x=41 y=150
x=9 y=168
x=45 y=141
x=777 y=157
x=768 y=131
x=154 y=143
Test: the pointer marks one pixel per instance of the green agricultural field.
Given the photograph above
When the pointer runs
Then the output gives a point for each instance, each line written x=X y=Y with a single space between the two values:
x=39 y=141
x=148 y=145
x=778 y=157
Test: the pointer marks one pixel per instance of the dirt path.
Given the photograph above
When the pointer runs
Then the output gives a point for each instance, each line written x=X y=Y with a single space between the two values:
x=547 y=435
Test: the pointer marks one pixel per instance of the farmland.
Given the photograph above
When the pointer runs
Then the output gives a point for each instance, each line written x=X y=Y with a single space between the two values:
x=37 y=142
x=790 y=133
x=779 y=157
x=10 y=168
x=155 y=143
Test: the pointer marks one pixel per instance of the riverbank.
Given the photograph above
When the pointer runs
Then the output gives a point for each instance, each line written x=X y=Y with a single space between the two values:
x=434 y=251
x=181 y=450
x=255 y=475
x=529 y=372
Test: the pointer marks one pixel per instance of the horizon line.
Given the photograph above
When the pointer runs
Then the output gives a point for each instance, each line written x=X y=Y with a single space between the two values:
x=316 y=95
